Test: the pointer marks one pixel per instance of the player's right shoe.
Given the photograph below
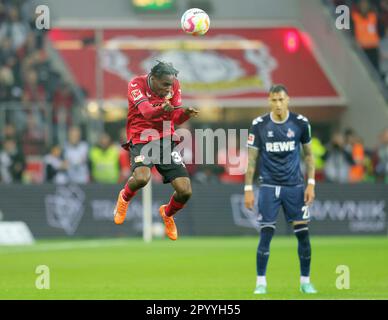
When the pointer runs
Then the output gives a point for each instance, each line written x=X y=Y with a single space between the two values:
x=308 y=288
x=170 y=227
x=260 y=289
x=120 y=210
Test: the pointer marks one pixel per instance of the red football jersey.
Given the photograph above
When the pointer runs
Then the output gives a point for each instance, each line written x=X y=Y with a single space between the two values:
x=145 y=110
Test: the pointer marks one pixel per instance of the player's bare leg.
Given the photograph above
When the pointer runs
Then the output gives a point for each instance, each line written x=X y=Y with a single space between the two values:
x=304 y=253
x=178 y=200
x=139 y=178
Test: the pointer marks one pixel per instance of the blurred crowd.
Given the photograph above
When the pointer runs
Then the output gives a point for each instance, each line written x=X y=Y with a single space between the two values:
x=344 y=159
x=369 y=26
x=28 y=81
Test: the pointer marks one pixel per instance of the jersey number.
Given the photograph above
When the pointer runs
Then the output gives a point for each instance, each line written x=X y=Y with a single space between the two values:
x=176 y=157
x=306 y=212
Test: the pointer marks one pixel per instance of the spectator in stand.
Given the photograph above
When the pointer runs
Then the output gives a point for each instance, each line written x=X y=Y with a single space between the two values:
x=9 y=71
x=6 y=50
x=104 y=161
x=355 y=147
x=3 y=13
x=6 y=84
x=34 y=137
x=382 y=157
x=14 y=28
x=9 y=132
x=42 y=66
x=12 y=163
x=337 y=160
x=56 y=166
x=63 y=102
x=384 y=12
x=76 y=154
x=319 y=151
x=366 y=30
x=29 y=47
x=33 y=91
x=34 y=96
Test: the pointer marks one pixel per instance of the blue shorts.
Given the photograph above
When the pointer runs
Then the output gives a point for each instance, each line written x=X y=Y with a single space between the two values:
x=291 y=198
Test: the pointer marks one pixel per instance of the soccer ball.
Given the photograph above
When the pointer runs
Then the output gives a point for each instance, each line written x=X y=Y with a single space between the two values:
x=195 y=22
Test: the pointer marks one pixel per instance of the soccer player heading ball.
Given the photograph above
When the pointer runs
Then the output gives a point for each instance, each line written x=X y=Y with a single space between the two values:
x=274 y=148
x=153 y=101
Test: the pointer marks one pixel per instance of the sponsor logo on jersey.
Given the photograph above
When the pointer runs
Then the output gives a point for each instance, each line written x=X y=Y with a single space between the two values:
x=133 y=85
x=280 y=146
x=270 y=134
x=136 y=94
x=290 y=133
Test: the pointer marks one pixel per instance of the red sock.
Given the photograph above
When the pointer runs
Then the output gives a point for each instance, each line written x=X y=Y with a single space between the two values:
x=173 y=207
x=128 y=194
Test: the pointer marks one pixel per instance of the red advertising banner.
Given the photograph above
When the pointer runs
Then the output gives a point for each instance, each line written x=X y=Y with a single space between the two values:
x=234 y=67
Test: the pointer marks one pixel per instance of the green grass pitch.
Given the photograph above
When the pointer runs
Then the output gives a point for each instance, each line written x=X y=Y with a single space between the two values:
x=191 y=268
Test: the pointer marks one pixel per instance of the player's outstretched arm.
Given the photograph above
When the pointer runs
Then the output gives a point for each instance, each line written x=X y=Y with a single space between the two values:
x=309 y=193
x=249 y=197
x=181 y=115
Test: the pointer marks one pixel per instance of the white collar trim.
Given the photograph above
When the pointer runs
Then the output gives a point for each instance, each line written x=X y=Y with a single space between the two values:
x=279 y=122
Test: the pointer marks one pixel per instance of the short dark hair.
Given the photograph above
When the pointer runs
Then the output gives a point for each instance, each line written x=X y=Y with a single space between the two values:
x=276 y=88
x=163 y=68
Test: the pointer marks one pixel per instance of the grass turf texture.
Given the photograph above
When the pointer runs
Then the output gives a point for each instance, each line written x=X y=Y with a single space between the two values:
x=191 y=268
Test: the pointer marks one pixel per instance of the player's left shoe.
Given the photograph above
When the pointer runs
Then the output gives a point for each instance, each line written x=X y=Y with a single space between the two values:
x=120 y=210
x=171 y=230
x=260 y=289
x=308 y=288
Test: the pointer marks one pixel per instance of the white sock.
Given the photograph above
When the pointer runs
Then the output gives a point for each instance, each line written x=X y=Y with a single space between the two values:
x=260 y=280
x=304 y=280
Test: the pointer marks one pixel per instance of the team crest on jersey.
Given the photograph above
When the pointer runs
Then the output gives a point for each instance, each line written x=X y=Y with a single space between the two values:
x=139 y=158
x=251 y=139
x=290 y=133
x=136 y=94
x=270 y=134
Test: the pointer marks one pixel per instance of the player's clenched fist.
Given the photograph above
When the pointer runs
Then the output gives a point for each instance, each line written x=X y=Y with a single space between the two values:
x=191 y=112
x=249 y=199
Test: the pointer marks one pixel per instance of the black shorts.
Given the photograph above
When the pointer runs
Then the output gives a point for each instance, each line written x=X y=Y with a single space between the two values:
x=161 y=154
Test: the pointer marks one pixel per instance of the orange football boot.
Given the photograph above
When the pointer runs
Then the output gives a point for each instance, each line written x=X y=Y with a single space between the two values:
x=170 y=229
x=120 y=210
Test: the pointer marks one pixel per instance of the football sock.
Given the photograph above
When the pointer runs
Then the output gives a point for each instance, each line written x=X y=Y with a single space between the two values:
x=304 y=248
x=262 y=255
x=304 y=280
x=261 y=280
x=128 y=194
x=173 y=207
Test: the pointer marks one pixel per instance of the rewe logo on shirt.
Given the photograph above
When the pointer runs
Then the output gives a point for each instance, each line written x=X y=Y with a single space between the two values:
x=280 y=146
